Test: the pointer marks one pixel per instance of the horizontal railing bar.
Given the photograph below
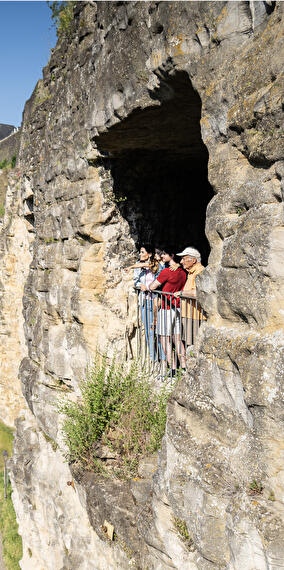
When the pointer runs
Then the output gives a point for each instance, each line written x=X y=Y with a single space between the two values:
x=180 y=296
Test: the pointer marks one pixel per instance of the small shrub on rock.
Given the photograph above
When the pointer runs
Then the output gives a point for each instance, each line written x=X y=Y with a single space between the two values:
x=4 y=164
x=181 y=529
x=118 y=420
x=255 y=487
x=62 y=14
x=13 y=161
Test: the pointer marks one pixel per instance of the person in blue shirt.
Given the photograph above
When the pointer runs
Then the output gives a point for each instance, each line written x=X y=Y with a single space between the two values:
x=145 y=273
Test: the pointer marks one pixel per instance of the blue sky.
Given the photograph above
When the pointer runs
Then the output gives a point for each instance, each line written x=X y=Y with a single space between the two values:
x=26 y=37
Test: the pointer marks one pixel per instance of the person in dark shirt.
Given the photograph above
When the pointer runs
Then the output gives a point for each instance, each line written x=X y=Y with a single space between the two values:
x=172 y=279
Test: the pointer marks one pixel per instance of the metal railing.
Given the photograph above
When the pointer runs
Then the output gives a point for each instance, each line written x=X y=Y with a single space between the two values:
x=166 y=326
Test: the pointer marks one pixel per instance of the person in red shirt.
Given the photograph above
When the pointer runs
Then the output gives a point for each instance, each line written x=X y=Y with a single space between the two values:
x=172 y=279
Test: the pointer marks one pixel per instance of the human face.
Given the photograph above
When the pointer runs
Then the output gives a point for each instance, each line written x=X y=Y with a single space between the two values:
x=166 y=257
x=187 y=262
x=144 y=255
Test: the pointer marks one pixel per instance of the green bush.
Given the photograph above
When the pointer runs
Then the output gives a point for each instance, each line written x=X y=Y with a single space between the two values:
x=13 y=161
x=62 y=14
x=119 y=411
x=4 y=164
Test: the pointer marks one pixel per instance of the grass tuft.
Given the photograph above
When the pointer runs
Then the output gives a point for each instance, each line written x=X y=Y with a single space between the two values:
x=181 y=529
x=255 y=487
x=272 y=496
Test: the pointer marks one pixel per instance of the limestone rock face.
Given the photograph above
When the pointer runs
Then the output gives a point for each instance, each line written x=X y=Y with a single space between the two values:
x=64 y=537
x=15 y=258
x=117 y=138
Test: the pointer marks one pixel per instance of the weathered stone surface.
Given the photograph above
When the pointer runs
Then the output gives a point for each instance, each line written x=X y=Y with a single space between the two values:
x=46 y=498
x=15 y=258
x=111 y=154
x=222 y=436
x=9 y=146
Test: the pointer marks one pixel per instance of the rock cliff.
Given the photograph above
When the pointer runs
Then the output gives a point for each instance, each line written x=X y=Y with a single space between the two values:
x=160 y=119
x=15 y=256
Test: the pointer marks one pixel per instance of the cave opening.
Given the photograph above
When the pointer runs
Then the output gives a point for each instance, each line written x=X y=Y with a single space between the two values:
x=158 y=163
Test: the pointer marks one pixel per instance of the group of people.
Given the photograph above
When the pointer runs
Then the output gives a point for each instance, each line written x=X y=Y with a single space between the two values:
x=167 y=318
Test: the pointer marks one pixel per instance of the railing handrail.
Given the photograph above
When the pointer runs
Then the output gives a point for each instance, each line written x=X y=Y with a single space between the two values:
x=181 y=296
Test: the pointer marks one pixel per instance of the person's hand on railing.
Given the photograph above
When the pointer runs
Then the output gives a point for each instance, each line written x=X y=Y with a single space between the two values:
x=188 y=294
x=177 y=293
x=143 y=287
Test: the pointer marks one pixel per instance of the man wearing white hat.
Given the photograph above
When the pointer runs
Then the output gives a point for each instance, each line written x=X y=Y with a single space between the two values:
x=191 y=311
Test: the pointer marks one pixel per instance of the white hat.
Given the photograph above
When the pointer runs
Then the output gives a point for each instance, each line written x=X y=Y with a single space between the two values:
x=192 y=252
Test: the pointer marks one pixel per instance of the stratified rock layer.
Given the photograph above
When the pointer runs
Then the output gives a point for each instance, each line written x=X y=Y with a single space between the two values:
x=14 y=266
x=111 y=152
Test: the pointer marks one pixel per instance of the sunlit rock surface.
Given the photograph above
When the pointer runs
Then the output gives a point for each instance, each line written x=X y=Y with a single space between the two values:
x=14 y=266
x=112 y=153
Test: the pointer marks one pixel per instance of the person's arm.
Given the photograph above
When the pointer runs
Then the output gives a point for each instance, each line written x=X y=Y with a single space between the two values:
x=154 y=285
x=137 y=266
x=190 y=293
x=155 y=311
x=158 y=282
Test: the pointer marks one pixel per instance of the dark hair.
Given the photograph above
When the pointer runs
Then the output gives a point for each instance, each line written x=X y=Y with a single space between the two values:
x=170 y=251
x=158 y=250
x=153 y=263
x=149 y=247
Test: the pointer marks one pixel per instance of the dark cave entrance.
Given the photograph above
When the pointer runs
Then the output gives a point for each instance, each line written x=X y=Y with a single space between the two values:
x=158 y=162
